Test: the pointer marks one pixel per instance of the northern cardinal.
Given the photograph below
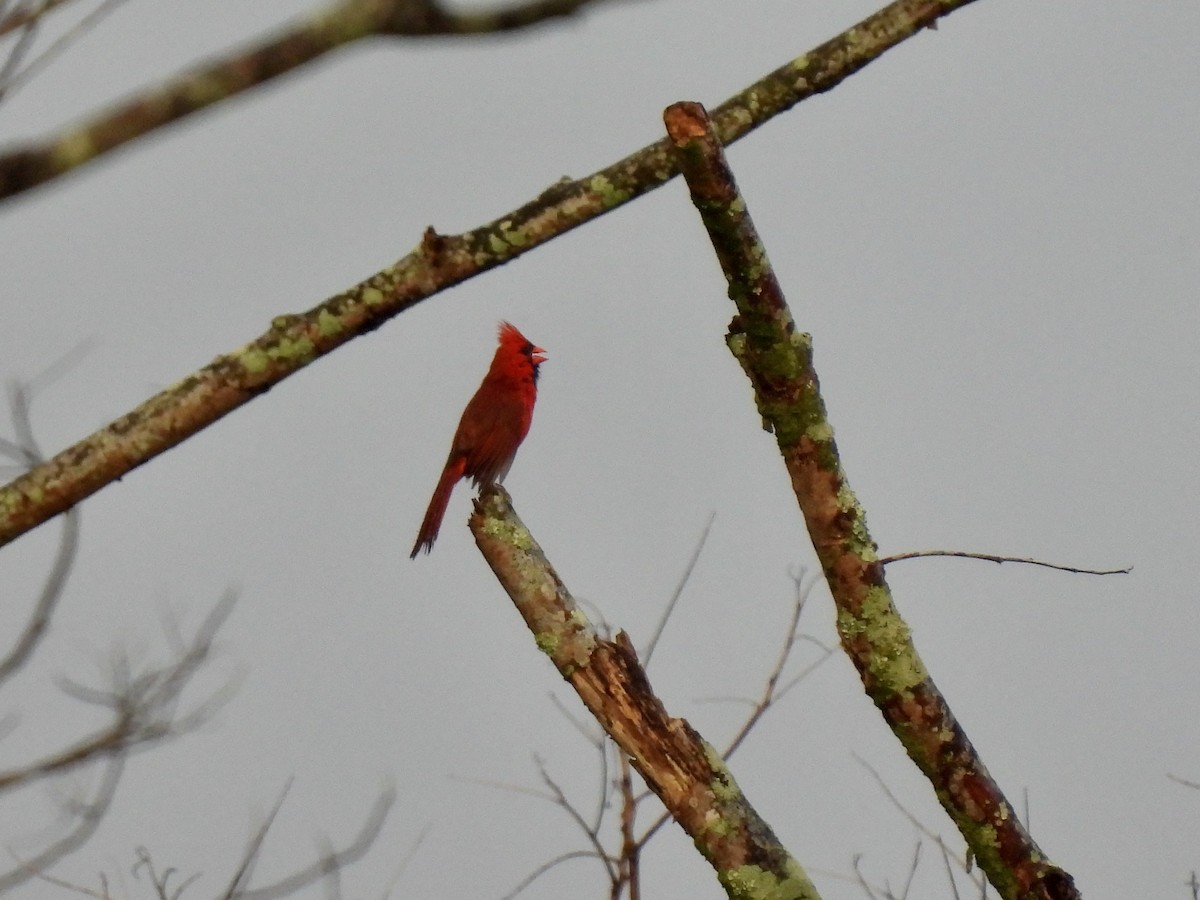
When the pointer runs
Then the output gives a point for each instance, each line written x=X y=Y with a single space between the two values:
x=491 y=428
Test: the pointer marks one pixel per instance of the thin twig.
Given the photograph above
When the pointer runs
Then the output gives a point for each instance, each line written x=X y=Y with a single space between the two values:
x=52 y=591
x=22 y=46
x=143 y=707
x=561 y=800
x=862 y=879
x=250 y=857
x=23 y=16
x=340 y=859
x=678 y=592
x=949 y=869
x=321 y=31
x=89 y=817
x=16 y=80
x=546 y=867
x=962 y=554
x=768 y=696
x=924 y=829
x=771 y=695
x=912 y=872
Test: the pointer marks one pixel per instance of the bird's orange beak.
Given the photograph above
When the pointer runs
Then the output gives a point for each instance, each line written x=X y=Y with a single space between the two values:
x=538 y=355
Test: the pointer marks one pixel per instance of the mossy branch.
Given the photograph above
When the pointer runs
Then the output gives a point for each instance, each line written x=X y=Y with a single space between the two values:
x=778 y=360
x=683 y=769
x=440 y=262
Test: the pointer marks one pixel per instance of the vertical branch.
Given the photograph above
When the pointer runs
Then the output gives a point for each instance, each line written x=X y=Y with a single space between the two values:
x=778 y=361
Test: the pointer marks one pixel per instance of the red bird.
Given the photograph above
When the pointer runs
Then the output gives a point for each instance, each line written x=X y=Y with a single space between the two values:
x=491 y=428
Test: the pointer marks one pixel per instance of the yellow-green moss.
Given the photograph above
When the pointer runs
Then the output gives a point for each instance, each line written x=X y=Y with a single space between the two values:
x=894 y=661
x=74 y=150
x=299 y=350
x=329 y=324
x=610 y=195
x=255 y=361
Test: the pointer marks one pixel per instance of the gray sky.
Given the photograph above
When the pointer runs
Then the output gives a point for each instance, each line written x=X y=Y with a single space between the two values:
x=993 y=235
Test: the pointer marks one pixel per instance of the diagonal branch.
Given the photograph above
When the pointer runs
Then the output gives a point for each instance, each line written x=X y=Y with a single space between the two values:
x=440 y=262
x=339 y=24
x=778 y=360
x=686 y=772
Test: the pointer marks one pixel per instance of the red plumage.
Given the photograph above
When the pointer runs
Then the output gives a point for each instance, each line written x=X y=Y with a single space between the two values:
x=491 y=428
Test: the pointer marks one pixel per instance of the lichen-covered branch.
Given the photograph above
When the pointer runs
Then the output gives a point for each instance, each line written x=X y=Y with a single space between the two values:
x=686 y=773
x=339 y=24
x=778 y=361
x=440 y=261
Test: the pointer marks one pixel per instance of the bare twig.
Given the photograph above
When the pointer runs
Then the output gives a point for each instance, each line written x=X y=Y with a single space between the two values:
x=20 y=48
x=949 y=869
x=648 y=652
x=769 y=695
x=962 y=862
x=546 y=867
x=1185 y=782
x=912 y=872
x=28 y=14
x=56 y=580
x=862 y=879
x=161 y=882
x=334 y=860
x=11 y=80
x=962 y=554
x=144 y=707
x=631 y=845
x=254 y=847
x=339 y=24
x=101 y=894
x=560 y=800
x=25 y=450
x=88 y=820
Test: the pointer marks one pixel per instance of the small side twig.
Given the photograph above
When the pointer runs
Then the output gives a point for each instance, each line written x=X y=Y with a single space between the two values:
x=988 y=557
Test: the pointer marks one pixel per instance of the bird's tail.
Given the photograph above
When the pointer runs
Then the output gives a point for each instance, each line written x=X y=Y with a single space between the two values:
x=437 y=505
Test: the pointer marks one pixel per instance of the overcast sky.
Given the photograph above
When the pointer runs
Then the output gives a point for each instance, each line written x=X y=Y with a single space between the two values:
x=993 y=235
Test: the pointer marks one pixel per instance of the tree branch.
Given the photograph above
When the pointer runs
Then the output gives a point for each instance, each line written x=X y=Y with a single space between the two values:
x=294 y=341
x=338 y=25
x=778 y=361
x=685 y=772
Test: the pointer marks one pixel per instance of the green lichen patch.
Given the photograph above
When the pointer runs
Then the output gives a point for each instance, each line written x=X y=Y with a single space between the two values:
x=893 y=662
x=328 y=324
x=610 y=195
x=756 y=883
